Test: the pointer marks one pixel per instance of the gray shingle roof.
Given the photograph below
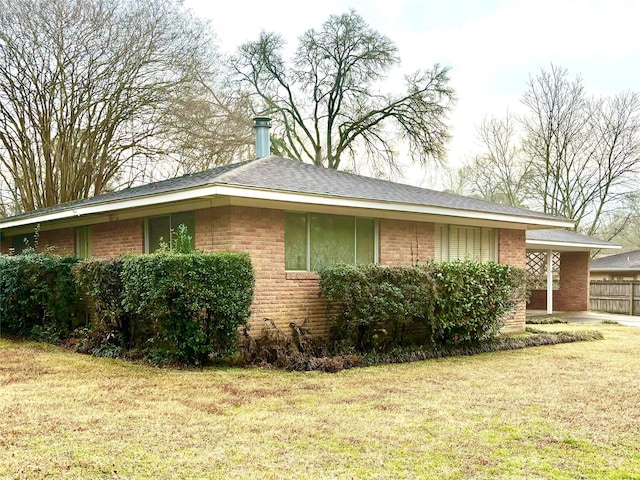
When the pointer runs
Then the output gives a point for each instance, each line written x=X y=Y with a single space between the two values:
x=282 y=174
x=565 y=236
x=620 y=261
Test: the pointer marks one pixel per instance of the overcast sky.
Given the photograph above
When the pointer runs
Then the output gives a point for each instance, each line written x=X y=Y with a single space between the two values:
x=492 y=46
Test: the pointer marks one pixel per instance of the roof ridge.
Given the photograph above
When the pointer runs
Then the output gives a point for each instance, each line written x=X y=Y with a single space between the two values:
x=241 y=167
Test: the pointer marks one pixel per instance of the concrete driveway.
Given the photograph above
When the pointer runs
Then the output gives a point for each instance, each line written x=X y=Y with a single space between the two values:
x=633 y=321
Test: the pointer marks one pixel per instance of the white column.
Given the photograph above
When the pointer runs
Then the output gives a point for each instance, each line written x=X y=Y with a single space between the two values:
x=549 y=282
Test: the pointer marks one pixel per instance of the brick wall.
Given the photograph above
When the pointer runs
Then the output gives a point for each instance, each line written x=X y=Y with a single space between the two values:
x=286 y=297
x=573 y=295
x=279 y=296
x=512 y=250
x=117 y=238
x=405 y=243
x=538 y=300
x=213 y=229
x=63 y=241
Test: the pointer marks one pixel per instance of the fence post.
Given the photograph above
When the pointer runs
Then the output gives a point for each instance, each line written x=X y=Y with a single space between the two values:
x=631 y=286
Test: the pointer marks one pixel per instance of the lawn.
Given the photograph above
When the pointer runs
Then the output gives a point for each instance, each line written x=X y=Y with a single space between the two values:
x=565 y=411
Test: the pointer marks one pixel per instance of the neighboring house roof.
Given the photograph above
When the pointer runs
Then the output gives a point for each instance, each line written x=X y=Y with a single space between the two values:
x=626 y=261
x=564 y=240
x=284 y=180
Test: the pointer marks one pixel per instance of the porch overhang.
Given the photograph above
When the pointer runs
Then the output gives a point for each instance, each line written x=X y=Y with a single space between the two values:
x=550 y=241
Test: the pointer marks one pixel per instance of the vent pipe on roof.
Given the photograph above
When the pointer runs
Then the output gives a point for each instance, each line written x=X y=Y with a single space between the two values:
x=263 y=144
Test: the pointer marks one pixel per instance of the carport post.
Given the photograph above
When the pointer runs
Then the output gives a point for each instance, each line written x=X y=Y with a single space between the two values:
x=549 y=282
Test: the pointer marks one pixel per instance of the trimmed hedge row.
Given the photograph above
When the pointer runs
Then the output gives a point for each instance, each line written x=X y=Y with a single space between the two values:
x=195 y=302
x=165 y=306
x=38 y=297
x=381 y=308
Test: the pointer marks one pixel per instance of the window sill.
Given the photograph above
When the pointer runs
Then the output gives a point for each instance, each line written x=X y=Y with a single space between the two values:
x=302 y=275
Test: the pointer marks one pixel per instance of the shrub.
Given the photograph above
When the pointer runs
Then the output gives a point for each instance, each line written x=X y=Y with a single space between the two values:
x=113 y=329
x=473 y=297
x=545 y=320
x=38 y=296
x=274 y=348
x=297 y=351
x=382 y=308
x=195 y=302
x=379 y=307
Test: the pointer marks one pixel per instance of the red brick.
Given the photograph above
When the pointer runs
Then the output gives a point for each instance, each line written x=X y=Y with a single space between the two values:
x=280 y=296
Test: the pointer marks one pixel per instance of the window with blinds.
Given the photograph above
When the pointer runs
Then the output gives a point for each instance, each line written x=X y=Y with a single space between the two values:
x=453 y=242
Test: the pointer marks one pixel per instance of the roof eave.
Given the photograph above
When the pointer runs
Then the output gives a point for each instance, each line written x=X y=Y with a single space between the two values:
x=229 y=190
x=568 y=246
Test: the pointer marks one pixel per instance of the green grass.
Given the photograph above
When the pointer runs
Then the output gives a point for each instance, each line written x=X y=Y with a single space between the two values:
x=566 y=411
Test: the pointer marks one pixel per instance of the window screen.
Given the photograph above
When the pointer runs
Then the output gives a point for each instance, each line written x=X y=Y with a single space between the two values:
x=83 y=242
x=162 y=228
x=314 y=240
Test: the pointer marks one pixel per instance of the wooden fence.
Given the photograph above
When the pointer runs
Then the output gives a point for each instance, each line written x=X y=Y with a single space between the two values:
x=615 y=296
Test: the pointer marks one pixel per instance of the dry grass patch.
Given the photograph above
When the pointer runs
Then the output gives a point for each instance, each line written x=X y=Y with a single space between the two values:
x=564 y=411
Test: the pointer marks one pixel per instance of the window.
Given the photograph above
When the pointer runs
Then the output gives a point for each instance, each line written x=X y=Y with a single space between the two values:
x=83 y=242
x=160 y=229
x=314 y=240
x=20 y=242
x=454 y=242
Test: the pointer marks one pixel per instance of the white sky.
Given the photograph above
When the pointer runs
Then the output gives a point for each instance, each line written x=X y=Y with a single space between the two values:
x=492 y=46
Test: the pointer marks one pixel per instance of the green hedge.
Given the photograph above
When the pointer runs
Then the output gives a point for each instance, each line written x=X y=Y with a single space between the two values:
x=113 y=330
x=195 y=302
x=167 y=306
x=380 y=308
x=38 y=297
x=472 y=299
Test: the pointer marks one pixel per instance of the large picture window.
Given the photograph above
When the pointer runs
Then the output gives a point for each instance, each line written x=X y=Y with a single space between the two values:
x=454 y=242
x=161 y=229
x=314 y=240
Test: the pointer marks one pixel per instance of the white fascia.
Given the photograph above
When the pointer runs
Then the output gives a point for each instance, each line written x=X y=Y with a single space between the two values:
x=546 y=244
x=314 y=199
x=280 y=196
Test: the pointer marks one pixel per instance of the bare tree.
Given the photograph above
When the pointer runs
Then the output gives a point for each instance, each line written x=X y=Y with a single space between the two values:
x=500 y=173
x=584 y=151
x=623 y=223
x=209 y=125
x=578 y=156
x=327 y=102
x=84 y=88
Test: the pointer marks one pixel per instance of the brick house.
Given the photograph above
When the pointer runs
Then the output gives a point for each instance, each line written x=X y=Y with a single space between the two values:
x=621 y=267
x=292 y=218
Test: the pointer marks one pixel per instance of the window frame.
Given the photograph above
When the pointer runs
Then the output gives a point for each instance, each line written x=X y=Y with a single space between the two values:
x=83 y=241
x=355 y=238
x=171 y=228
x=17 y=247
